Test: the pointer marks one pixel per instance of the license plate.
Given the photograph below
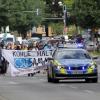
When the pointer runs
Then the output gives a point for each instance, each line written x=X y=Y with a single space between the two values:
x=77 y=72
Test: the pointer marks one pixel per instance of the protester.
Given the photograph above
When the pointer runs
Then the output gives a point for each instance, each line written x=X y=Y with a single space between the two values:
x=48 y=47
x=3 y=62
x=24 y=47
x=32 y=48
x=4 y=66
x=9 y=46
x=18 y=47
x=39 y=45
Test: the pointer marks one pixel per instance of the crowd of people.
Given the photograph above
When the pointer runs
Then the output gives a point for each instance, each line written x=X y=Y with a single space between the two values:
x=34 y=45
x=39 y=45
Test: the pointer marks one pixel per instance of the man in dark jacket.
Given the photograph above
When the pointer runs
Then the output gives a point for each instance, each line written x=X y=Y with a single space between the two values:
x=3 y=62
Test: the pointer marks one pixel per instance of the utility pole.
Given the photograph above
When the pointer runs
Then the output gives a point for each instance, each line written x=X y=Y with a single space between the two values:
x=64 y=16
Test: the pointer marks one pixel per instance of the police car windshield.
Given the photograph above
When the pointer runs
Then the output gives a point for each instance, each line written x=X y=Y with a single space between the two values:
x=71 y=54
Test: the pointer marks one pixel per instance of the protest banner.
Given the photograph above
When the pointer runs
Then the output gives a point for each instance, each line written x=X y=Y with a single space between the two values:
x=26 y=61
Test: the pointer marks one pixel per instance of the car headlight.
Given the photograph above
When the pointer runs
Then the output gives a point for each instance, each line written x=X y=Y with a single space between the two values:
x=59 y=67
x=93 y=66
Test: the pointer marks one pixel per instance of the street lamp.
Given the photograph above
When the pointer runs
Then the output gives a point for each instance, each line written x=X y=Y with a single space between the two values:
x=64 y=16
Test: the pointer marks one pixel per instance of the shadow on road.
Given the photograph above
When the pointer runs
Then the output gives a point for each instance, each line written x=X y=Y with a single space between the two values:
x=74 y=82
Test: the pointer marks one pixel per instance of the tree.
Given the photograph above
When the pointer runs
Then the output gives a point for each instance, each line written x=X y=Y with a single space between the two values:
x=53 y=9
x=21 y=15
x=57 y=28
x=25 y=15
x=69 y=4
x=87 y=13
x=4 y=15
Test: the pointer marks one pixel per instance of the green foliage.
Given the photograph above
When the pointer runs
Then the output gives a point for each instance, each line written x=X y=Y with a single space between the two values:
x=53 y=9
x=21 y=14
x=3 y=13
x=95 y=53
x=87 y=13
x=69 y=4
x=57 y=28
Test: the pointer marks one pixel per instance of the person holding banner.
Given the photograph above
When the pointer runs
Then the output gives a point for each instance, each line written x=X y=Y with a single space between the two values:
x=9 y=46
x=48 y=47
x=18 y=47
x=24 y=47
x=33 y=48
x=3 y=63
x=40 y=45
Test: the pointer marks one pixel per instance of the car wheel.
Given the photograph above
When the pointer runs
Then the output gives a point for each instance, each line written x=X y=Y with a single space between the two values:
x=55 y=80
x=49 y=79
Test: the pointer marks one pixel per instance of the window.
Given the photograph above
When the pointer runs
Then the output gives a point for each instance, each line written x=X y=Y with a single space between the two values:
x=72 y=54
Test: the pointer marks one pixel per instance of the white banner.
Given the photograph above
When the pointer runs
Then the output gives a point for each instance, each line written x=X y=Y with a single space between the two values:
x=24 y=61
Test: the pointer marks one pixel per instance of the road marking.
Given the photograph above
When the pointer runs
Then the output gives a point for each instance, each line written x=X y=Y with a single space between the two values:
x=62 y=85
x=42 y=79
x=70 y=86
x=88 y=91
x=13 y=83
x=73 y=87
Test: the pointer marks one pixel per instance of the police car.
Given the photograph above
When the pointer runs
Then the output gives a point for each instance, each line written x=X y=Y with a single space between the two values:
x=71 y=44
x=71 y=64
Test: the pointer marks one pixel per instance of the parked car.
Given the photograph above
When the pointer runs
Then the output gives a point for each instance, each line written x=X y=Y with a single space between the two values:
x=90 y=46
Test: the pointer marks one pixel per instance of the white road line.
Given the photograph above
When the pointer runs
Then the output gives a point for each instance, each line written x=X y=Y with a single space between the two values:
x=63 y=85
x=88 y=91
x=69 y=86
x=13 y=83
x=42 y=79
x=73 y=87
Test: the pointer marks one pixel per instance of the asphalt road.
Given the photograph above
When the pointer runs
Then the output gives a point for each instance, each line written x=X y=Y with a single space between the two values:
x=37 y=88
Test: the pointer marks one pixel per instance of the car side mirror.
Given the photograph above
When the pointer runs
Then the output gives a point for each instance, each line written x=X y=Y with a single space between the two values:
x=50 y=59
x=95 y=57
